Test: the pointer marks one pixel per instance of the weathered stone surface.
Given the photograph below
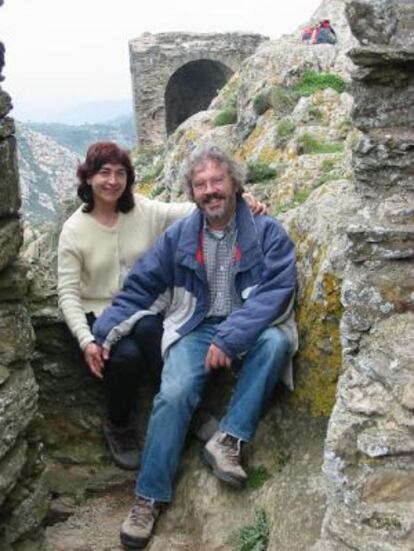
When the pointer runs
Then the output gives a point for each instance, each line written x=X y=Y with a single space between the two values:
x=374 y=22
x=13 y=282
x=18 y=404
x=11 y=235
x=16 y=334
x=32 y=504
x=10 y=468
x=9 y=190
x=5 y=101
x=369 y=453
x=7 y=128
x=389 y=486
x=381 y=243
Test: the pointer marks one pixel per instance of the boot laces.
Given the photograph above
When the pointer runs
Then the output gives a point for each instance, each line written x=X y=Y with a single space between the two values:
x=231 y=448
x=142 y=513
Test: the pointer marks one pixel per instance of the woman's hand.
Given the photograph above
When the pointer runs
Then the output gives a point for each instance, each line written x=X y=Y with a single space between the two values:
x=256 y=206
x=93 y=355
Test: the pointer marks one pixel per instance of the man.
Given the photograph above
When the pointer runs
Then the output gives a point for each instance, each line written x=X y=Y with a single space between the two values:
x=225 y=281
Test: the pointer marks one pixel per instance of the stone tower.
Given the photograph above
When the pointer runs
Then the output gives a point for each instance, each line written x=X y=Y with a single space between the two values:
x=175 y=75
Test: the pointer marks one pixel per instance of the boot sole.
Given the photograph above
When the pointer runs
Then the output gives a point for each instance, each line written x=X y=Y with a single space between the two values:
x=132 y=543
x=209 y=460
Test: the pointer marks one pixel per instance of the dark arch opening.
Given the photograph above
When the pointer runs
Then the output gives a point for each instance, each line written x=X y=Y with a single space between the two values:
x=191 y=89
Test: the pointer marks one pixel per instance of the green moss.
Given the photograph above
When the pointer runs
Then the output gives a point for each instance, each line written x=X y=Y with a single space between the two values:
x=283 y=99
x=226 y=116
x=327 y=165
x=284 y=131
x=255 y=536
x=258 y=171
x=311 y=146
x=311 y=82
x=261 y=102
x=257 y=476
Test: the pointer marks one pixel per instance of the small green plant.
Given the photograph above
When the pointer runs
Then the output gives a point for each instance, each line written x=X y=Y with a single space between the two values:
x=327 y=165
x=310 y=145
x=284 y=131
x=226 y=116
x=315 y=114
x=283 y=100
x=311 y=81
x=254 y=537
x=257 y=476
x=261 y=102
x=257 y=172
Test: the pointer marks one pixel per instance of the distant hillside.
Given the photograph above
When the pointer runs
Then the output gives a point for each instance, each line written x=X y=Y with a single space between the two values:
x=47 y=174
x=78 y=137
x=49 y=154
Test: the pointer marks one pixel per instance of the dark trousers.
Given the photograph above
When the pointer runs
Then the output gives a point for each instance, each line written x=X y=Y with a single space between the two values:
x=140 y=350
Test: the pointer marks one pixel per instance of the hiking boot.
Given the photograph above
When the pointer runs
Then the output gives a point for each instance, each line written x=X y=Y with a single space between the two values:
x=223 y=453
x=137 y=528
x=203 y=424
x=122 y=442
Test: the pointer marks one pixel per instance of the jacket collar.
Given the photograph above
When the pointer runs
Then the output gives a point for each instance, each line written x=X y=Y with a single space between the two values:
x=247 y=238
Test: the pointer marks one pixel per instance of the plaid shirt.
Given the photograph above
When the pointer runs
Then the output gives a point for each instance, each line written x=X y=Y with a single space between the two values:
x=218 y=252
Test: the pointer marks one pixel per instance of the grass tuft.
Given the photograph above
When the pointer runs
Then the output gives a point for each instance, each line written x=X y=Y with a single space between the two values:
x=258 y=171
x=311 y=82
x=226 y=116
x=254 y=537
x=257 y=476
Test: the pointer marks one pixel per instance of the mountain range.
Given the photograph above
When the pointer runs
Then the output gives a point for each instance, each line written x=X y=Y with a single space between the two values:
x=48 y=155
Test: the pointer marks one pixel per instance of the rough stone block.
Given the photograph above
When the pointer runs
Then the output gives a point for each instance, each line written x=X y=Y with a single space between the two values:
x=16 y=334
x=7 y=128
x=9 y=182
x=10 y=468
x=381 y=243
x=5 y=102
x=13 y=282
x=31 y=507
x=18 y=405
x=11 y=238
x=381 y=441
x=389 y=486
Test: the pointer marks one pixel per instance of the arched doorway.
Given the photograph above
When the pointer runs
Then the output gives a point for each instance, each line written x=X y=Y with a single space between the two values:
x=191 y=89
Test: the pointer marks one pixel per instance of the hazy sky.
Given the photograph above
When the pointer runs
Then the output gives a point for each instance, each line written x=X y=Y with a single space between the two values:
x=63 y=52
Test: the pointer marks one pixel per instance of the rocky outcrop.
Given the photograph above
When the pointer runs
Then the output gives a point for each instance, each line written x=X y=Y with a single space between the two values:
x=23 y=495
x=369 y=452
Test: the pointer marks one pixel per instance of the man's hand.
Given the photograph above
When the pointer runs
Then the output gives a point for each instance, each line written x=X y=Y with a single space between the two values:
x=254 y=204
x=94 y=358
x=216 y=358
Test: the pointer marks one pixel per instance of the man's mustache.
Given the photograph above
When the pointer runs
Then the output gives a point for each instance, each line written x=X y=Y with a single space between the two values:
x=213 y=197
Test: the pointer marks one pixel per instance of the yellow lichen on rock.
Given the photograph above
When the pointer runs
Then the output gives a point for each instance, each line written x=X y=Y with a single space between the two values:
x=318 y=361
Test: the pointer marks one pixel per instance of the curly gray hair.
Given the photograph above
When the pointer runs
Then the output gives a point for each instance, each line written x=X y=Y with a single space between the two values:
x=236 y=171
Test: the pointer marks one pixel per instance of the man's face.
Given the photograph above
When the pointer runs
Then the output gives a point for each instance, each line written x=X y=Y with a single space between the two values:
x=214 y=192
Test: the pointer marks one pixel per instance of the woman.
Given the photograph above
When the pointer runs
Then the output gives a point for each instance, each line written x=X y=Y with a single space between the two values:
x=98 y=244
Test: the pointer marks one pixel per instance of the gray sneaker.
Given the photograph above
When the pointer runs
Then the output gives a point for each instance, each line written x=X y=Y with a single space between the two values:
x=123 y=444
x=137 y=528
x=223 y=453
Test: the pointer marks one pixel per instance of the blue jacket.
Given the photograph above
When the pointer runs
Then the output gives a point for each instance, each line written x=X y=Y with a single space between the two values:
x=171 y=278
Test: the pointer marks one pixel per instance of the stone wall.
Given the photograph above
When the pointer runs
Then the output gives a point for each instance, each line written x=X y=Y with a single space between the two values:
x=369 y=451
x=175 y=75
x=23 y=499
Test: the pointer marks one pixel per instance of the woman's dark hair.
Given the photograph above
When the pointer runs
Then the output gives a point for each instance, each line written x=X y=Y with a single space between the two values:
x=99 y=154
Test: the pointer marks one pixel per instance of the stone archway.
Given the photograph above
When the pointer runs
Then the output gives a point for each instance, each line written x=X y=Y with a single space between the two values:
x=174 y=75
x=191 y=89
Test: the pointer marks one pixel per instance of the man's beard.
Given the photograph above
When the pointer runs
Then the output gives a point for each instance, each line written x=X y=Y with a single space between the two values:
x=225 y=211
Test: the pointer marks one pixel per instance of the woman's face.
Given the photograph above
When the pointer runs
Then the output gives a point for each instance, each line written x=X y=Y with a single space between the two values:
x=108 y=184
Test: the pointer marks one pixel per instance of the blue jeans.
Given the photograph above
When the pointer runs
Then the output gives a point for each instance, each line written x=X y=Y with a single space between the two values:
x=183 y=379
